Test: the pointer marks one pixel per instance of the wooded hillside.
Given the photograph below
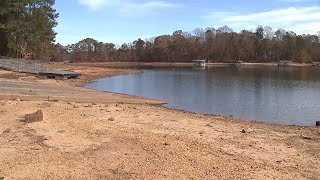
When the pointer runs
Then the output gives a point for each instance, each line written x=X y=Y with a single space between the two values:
x=216 y=45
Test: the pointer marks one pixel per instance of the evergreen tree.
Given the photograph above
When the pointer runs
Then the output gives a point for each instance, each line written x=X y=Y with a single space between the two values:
x=28 y=26
x=3 y=32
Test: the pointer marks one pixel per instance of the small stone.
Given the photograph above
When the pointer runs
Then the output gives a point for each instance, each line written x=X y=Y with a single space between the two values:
x=93 y=104
x=46 y=104
x=75 y=106
x=248 y=130
x=89 y=105
x=35 y=148
x=306 y=137
x=34 y=117
x=166 y=144
x=17 y=99
x=7 y=131
x=111 y=119
x=61 y=131
x=1 y=177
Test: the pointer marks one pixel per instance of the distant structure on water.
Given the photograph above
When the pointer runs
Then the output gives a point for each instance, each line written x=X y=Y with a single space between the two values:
x=200 y=63
x=315 y=63
x=284 y=63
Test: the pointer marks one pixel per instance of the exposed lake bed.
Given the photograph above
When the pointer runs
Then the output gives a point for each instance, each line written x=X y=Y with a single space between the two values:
x=285 y=95
x=89 y=133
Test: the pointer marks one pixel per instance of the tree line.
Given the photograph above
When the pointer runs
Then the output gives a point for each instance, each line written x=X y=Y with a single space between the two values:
x=26 y=31
x=26 y=28
x=215 y=45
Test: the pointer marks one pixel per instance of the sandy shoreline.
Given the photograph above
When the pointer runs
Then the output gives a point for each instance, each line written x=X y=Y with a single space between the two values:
x=87 y=134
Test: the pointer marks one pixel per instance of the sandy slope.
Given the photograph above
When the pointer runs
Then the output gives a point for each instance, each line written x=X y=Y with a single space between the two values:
x=137 y=140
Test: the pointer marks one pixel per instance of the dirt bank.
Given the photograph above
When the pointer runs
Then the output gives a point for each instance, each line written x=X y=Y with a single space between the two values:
x=112 y=136
x=30 y=88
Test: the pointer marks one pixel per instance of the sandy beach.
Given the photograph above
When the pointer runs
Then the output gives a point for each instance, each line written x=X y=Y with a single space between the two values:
x=88 y=134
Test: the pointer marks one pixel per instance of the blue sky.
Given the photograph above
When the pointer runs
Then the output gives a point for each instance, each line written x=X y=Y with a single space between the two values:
x=122 y=21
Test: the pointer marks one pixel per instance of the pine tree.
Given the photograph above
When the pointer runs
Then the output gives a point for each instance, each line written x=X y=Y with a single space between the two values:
x=29 y=27
x=3 y=32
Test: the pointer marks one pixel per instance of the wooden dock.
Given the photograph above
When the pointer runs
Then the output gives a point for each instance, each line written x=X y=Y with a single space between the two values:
x=57 y=74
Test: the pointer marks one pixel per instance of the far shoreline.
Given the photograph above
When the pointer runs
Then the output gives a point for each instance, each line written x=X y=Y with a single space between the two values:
x=127 y=64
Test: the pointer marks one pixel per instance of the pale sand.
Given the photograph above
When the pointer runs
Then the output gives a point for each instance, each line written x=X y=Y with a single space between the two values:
x=112 y=136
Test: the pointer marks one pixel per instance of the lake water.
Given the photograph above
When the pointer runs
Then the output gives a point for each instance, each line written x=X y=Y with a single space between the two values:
x=269 y=94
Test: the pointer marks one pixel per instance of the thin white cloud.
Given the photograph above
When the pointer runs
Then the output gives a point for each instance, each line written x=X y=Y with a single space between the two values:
x=125 y=6
x=289 y=18
x=152 y=4
x=137 y=9
x=288 y=15
x=95 y=4
x=307 y=28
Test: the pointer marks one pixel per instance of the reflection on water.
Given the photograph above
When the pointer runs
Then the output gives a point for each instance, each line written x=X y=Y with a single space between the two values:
x=270 y=94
